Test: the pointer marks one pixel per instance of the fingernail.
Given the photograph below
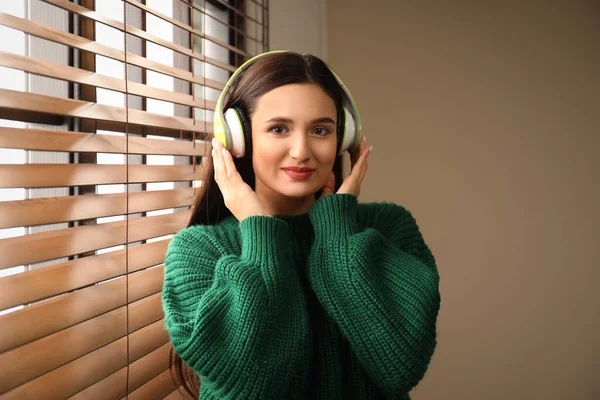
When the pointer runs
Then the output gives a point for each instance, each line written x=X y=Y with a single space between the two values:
x=223 y=151
x=213 y=142
x=365 y=139
x=213 y=153
x=370 y=148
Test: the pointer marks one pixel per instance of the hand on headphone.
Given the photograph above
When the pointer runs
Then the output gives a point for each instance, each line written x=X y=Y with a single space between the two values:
x=352 y=183
x=239 y=198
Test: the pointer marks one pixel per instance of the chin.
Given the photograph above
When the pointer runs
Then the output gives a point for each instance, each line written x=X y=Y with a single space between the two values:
x=297 y=189
x=298 y=192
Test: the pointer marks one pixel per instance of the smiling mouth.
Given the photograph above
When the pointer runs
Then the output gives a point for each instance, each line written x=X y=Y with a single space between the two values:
x=298 y=174
x=298 y=169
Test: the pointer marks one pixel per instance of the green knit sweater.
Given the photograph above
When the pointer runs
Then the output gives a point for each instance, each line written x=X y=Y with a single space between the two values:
x=337 y=303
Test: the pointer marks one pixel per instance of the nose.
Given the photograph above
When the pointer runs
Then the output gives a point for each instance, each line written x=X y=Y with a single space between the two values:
x=300 y=147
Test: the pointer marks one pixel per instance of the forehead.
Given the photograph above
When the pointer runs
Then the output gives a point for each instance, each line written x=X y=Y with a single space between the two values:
x=296 y=101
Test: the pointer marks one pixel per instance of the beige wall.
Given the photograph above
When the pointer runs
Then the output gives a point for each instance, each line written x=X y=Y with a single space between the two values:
x=485 y=121
x=297 y=25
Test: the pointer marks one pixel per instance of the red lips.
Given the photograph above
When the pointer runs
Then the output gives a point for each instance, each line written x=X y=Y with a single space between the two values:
x=298 y=169
x=298 y=173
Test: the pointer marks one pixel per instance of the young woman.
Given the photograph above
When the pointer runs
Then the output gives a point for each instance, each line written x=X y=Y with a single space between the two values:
x=283 y=286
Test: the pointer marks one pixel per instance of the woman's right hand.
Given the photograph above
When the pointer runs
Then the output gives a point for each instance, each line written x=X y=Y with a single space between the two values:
x=239 y=198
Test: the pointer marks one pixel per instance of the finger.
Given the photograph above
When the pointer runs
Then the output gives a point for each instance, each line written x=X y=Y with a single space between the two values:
x=226 y=167
x=232 y=172
x=215 y=163
x=361 y=164
x=214 y=159
x=356 y=155
x=366 y=166
x=220 y=171
x=360 y=155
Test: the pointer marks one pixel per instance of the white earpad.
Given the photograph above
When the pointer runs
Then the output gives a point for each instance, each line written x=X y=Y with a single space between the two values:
x=349 y=140
x=237 y=145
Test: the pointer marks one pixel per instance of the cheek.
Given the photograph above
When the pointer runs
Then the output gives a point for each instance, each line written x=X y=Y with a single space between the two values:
x=266 y=159
x=326 y=155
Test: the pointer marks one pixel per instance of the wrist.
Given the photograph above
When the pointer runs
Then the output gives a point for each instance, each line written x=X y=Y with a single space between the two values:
x=334 y=216
x=258 y=214
x=264 y=239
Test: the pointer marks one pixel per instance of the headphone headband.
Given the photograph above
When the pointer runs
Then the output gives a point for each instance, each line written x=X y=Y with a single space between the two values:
x=223 y=132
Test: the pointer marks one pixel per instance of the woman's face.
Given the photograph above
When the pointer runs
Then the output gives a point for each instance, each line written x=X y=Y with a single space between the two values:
x=293 y=130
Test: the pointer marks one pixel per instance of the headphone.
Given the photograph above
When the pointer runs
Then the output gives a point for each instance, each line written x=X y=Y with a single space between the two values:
x=232 y=128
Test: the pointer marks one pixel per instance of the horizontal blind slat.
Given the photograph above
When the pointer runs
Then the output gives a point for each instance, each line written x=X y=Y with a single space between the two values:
x=145 y=283
x=229 y=6
x=50 y=315
x=81 y=373
x=147 y=339
x=110 y=388
x=60 y=278
x=148 y=367
x=145 y=312
x=83 y=11
x=190 y=29
x=50 y=210
x=155 y=389
x=78 y=42
x=43 y=246
x=60 y=175
x=149 y=348
x=41 y=356
x=53 y=140
x=59 y=71
x=39 y=103
x=120 y=127
x=83 y=305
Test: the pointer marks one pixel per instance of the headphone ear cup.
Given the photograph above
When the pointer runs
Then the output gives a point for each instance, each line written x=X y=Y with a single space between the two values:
x=235 y=125
x=247 y=128
x=349 y=136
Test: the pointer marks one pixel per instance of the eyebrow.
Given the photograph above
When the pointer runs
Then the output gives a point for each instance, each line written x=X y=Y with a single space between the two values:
x=287 y=120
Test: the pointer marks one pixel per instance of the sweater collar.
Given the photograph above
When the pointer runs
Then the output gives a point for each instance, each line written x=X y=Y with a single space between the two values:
x=299 y=223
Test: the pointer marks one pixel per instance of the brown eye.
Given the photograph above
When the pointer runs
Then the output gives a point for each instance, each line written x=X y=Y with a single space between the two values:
x=278 y=129
x=321 y=131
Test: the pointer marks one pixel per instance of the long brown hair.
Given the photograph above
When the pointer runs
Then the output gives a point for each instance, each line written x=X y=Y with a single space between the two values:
x=263 y=75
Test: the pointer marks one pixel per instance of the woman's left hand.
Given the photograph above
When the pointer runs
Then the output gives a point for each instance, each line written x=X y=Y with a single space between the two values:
x=352 y=183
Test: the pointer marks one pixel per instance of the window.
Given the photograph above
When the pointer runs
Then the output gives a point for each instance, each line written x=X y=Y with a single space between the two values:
x=96 y=175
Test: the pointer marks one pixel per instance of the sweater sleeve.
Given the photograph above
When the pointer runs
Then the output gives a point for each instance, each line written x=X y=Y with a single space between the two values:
x=239 y=321
x=380 y=284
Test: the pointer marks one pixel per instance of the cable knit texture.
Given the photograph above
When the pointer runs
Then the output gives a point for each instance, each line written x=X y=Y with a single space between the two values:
x=337 y=303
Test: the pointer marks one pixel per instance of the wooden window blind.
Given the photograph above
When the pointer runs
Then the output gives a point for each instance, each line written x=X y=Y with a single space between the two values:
x=106 y=110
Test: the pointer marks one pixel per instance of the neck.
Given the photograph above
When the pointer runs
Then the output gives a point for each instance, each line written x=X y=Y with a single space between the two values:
x=279 y=204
